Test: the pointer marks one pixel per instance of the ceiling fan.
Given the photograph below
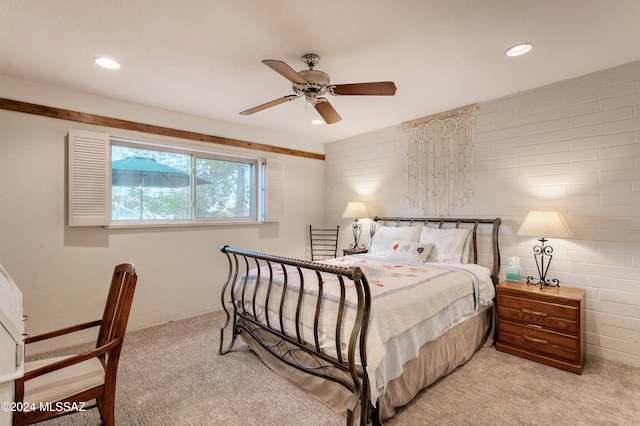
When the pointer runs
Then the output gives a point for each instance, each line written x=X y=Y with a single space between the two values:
x=313 y=84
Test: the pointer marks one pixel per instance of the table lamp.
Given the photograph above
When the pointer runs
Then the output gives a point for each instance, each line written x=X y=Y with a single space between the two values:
x=355 y=210
x=544 y=224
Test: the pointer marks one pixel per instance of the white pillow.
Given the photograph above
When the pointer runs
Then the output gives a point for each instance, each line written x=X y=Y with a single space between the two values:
x=451 y=245
x=410 y=250
x=385 y=236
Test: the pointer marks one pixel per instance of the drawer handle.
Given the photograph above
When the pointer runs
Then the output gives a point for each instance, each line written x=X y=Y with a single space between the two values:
x=532 y=339
x=540 y=314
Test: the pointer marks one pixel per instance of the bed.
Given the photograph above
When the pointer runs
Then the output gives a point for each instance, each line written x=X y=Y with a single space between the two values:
x=365 y=333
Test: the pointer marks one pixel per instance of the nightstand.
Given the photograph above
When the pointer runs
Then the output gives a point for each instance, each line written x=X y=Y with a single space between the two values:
x=544 y=325
x=349 y=251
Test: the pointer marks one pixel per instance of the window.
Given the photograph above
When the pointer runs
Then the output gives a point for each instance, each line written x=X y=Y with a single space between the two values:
x=150 y=184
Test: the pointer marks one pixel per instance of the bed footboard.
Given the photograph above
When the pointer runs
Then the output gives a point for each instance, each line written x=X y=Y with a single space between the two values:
x=280 y=303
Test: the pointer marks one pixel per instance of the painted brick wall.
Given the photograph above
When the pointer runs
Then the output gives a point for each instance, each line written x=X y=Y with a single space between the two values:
x=572 y=146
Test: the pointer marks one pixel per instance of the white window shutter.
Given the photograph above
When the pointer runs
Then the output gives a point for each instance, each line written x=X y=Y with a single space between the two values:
x=275 y=190
x=89 y=175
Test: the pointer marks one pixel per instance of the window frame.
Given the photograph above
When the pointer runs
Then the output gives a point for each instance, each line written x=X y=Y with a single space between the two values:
x=256 y=162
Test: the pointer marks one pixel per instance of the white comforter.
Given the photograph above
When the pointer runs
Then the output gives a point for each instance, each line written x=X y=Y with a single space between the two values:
x=412 y=303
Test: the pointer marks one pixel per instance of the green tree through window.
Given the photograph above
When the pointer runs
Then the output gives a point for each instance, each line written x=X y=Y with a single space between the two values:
x=231 y=192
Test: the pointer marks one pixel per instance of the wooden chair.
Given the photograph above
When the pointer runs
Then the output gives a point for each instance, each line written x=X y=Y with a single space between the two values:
x=61 y=385
x=324 y=242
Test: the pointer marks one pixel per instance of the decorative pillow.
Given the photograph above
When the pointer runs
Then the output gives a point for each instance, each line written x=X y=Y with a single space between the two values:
x=451 y=245
x=410 y=250
x=385 y=236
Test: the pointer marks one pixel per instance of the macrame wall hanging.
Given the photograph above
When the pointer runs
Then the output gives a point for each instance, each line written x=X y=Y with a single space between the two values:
x=440 y=162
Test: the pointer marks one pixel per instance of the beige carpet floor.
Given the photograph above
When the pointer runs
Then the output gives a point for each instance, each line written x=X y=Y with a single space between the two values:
x=172 y=375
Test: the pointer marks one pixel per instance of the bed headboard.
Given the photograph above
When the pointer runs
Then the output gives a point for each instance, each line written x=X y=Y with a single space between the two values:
x=470 y=223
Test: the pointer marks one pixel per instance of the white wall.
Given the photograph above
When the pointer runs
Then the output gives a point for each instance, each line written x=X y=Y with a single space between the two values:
x=573 y=146
x=64 y=272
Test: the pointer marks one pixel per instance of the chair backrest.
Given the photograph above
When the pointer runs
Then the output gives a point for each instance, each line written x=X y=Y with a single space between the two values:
x=324 y=242
x=116 y=310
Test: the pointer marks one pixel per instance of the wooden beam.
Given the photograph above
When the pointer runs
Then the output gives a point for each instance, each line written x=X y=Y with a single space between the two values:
x=81 y=117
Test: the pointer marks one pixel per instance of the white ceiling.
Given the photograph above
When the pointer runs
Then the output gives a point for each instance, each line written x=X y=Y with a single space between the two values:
x=202 y=57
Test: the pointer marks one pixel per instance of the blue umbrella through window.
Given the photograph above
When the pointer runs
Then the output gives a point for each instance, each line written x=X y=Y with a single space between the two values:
x=143 y=172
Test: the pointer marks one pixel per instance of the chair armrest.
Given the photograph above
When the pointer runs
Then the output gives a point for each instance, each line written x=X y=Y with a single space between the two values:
x=62 y=331
x=75 y=359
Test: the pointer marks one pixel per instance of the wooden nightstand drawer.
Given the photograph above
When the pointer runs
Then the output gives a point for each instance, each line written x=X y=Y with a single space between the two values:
x=548 y=315
x=540 y=340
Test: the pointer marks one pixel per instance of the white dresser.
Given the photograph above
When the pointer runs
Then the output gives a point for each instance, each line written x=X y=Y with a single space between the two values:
x=11 y=345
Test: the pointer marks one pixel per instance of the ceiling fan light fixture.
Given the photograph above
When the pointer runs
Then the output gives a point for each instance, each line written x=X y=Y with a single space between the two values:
x=107 y=62
x=317 y=121
x=518 y=49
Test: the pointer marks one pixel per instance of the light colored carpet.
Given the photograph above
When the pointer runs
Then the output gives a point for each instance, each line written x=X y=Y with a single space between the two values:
x=172 y=375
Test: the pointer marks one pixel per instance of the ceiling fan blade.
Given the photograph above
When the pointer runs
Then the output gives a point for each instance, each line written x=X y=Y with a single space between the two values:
x=380 y=88
x=329 y=115
x=285 y=70
x=269 y=104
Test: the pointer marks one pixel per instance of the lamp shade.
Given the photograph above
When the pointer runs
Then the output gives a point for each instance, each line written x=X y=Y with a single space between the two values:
x=355 y=210
x=544 y=225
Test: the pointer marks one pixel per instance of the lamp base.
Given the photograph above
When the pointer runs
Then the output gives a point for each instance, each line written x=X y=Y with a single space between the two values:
x=357 y=230
x=542 y=282
x=539 y=252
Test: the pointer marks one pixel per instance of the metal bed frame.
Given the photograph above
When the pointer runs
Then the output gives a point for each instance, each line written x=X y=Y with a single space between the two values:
x=288 y=346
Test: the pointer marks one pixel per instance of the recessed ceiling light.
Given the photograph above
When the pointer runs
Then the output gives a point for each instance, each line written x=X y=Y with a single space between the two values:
x=107 y=62
x=317 y=121
x=518 y=49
